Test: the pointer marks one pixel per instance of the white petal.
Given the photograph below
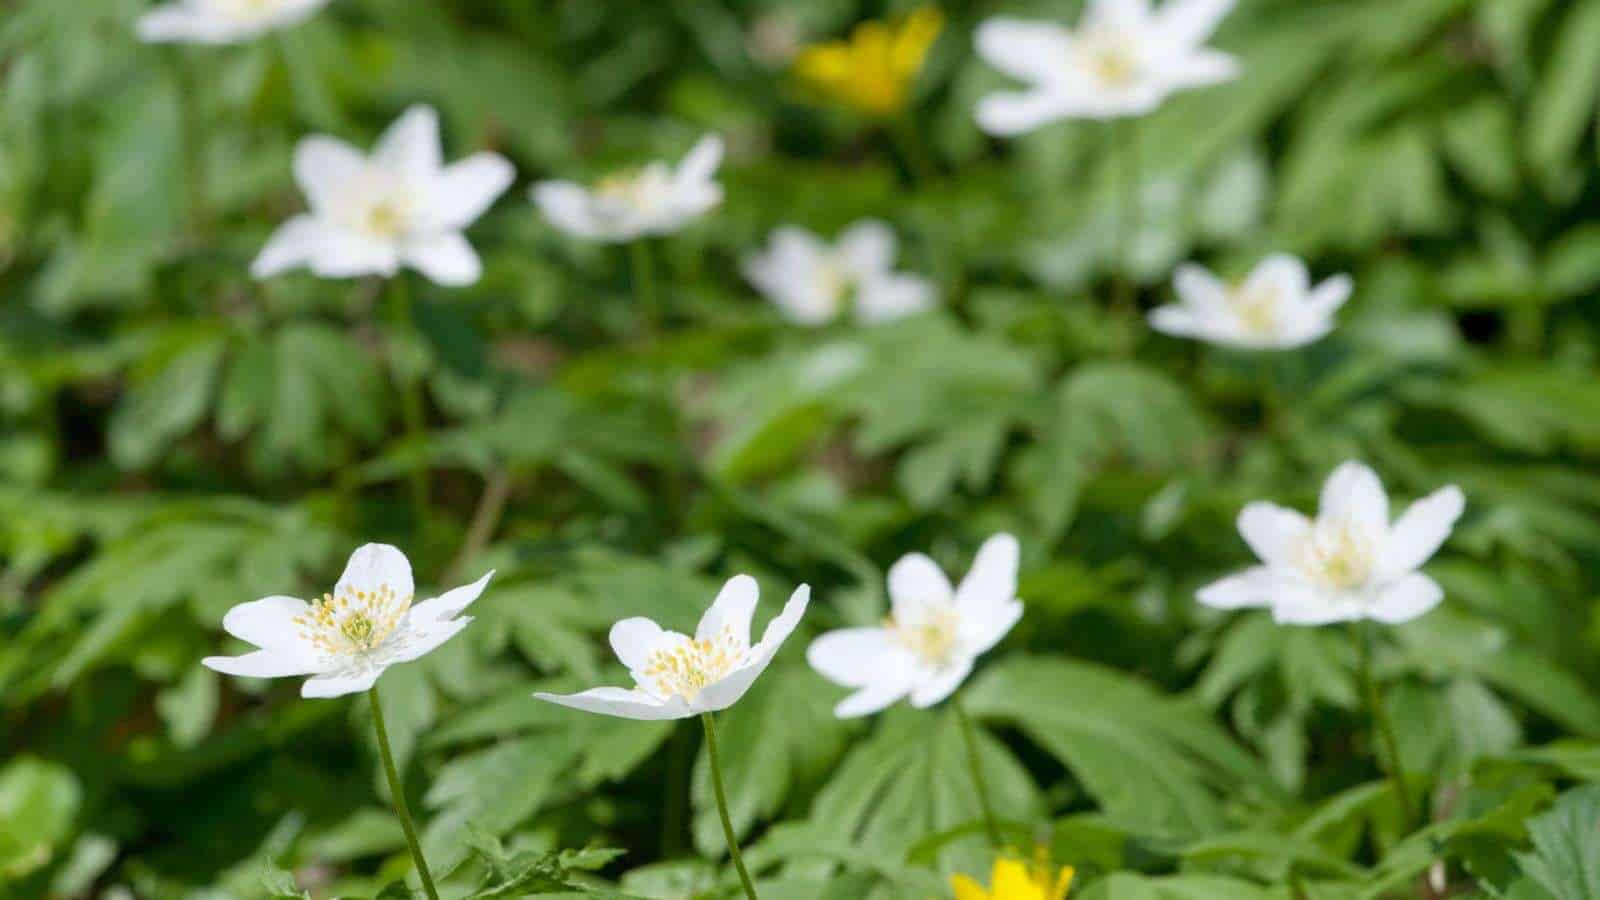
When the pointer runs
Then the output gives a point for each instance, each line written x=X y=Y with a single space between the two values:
x=1272 y=531
x=1298 y=603
x=1328 y=296
x=268 y=622
x=854 y=657
x=941 y=685
x=568 y=206
x=337 y=684
x=411 y=144
x=984 y=628
x=723 y=694
x=1031 y=51
x=325 y=167
x=1279 y=274
x=181 y=22
x=1419 y=532
x=1176 y=320
x=625 y=704
x=1252 y=587
x=701 y=162
x=1406 y=599
x=466 y=190
x=1010 y=113
x=447 y=605
x=1354 y=494
x=867 y=248
x=633 y=640
x=446 y=259
x=423 y=637
x=992 y=580
x=1202 y=68
x=733 y=609
x=889 y=297
x=289 y=247
x=875 y=697
x=1188 y=23
x=916 y=586
x=1200 y=290
x=261 y=664
x=373 y=567
x=1124 y=13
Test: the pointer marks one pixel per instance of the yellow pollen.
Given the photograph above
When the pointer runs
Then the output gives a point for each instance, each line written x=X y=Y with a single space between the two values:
x=1335 y=554
x=689 y=666
x=354 y=622
x=1256 y=309
x=933 y=641
x=385 y=219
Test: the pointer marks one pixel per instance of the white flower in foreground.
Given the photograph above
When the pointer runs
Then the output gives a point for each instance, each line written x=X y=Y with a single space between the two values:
x=1123 y=60
x=1274 y=308
x=399 y=207
x=653 y=200
x=1350 y=563
x=812 y=282
x=680 y=676
x=222 y=21
x=927 y=646
x=349 y=637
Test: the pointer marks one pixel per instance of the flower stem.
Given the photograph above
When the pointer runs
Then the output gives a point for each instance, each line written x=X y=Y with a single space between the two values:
x=399 y=794
x=1125 y=144
x=411 y=410
x=969 y=735
x=644 y=282
x=722 y=805
x=1362 y=635
x=192 y=134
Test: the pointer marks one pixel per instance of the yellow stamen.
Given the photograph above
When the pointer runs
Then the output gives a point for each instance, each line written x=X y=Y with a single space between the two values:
x=872 y=71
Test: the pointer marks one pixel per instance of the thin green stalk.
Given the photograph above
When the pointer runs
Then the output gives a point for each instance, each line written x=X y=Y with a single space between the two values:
x=969 y=735
x=722 y=805
x=411 y=406
x=1380 y=722
x=912 y=150
x=1125 y=145
x=399 y=794
x=644 y=283
x=193 y=138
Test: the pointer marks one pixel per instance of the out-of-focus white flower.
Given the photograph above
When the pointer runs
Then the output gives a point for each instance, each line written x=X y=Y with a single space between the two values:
x=349 y=637
x=399 y=207
x=678 y=676
x=1349 y=563
x=812 y=282
x=1275 y=308
x=927 y=646
x=1123 y=60
x=222 y=21
x=653 y=200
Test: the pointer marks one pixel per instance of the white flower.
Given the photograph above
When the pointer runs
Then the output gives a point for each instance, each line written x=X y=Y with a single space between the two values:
x=1124 y=60
x=399 y=207
x=680 y=676
x=926 y=648
x=1350 y=563
x=652 y=200
x=349 y=637
x=812 y=283
x=1275 y=308
x=222 y=21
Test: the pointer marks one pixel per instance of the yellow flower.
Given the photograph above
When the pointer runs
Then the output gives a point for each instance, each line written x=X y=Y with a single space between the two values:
x=1014 y=879
x=873 y=70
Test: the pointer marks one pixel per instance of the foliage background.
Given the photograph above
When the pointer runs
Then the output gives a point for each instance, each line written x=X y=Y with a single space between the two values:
x=177 y=438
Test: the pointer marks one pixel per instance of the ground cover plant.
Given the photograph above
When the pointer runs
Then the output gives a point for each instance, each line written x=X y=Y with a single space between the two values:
x=1133 y=451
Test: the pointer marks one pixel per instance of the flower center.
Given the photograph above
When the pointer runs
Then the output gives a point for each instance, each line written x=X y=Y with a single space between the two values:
x=244 y=10
x=635 y=191
x=834 y=282
x=933 y=640
x=1335 y=554
x=688 y=666
x=1257 y=309
x=378 y=204
x=385 y=219
x=353 y=623
x=1112 y=58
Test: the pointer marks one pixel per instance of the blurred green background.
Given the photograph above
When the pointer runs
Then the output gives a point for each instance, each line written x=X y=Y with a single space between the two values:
x=176 y=438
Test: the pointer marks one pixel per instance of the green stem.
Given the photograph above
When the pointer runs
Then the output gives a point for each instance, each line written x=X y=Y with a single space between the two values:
x=969 y=735
x=1125 y=144
x=399 y=794
x=1381 y=723
x=192 y=133
x=644 y=283
x=912 y=150
x=411 y=405
x=722 y=805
